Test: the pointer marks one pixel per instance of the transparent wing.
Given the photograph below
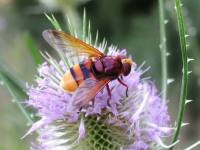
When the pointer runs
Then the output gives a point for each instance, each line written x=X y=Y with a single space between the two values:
x=87 y=91
x=62 y=41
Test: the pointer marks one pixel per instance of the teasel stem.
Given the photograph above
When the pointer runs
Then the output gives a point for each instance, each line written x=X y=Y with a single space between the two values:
x=184 y=83
x=163 y=49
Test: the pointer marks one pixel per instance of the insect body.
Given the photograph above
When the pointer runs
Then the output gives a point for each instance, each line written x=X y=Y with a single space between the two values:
x=86 y=79
x=77 y=75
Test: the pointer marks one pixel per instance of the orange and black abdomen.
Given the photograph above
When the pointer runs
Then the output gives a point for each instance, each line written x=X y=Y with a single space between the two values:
x=76 y=75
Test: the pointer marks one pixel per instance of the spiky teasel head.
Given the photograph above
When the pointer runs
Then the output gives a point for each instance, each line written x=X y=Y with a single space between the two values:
x=139 y=121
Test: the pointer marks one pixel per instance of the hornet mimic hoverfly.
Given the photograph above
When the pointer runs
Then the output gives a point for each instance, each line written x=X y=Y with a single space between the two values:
x=89 y=77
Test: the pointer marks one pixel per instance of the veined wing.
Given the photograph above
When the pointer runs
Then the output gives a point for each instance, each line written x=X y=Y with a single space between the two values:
x=87 y=91
x=62 y=41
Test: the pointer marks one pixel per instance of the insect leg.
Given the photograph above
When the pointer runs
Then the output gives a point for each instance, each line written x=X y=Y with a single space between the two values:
x=108 y=90
x=109 y=93
x=124 y=84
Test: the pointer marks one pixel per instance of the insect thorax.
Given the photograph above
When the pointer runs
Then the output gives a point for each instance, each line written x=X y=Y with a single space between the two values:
x=107 y=67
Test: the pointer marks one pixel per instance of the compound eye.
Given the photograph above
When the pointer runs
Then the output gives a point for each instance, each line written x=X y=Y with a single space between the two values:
x=126 y=69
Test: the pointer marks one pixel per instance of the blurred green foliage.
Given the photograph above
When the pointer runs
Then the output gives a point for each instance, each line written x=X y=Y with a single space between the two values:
x=130 y=24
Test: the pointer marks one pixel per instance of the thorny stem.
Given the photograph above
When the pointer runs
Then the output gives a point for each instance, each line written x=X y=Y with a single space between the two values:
x=184 y=54
x=163 y=49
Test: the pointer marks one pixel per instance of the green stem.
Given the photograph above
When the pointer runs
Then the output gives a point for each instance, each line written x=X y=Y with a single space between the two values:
x=184 y=84
x=163 y=49
x=16 y=99
x=30 y=44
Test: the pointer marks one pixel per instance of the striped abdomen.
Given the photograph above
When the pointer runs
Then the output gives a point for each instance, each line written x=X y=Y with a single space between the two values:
x=76 y=75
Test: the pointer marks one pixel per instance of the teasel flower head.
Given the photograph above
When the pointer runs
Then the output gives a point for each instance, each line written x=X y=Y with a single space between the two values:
x=137 y=122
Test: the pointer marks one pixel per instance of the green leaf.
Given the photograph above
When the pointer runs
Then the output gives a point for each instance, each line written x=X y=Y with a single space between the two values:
x=30 y=44
x=184 y=84
x=15 y=87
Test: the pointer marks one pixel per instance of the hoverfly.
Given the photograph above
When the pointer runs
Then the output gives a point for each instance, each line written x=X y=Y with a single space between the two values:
x=89 y=77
